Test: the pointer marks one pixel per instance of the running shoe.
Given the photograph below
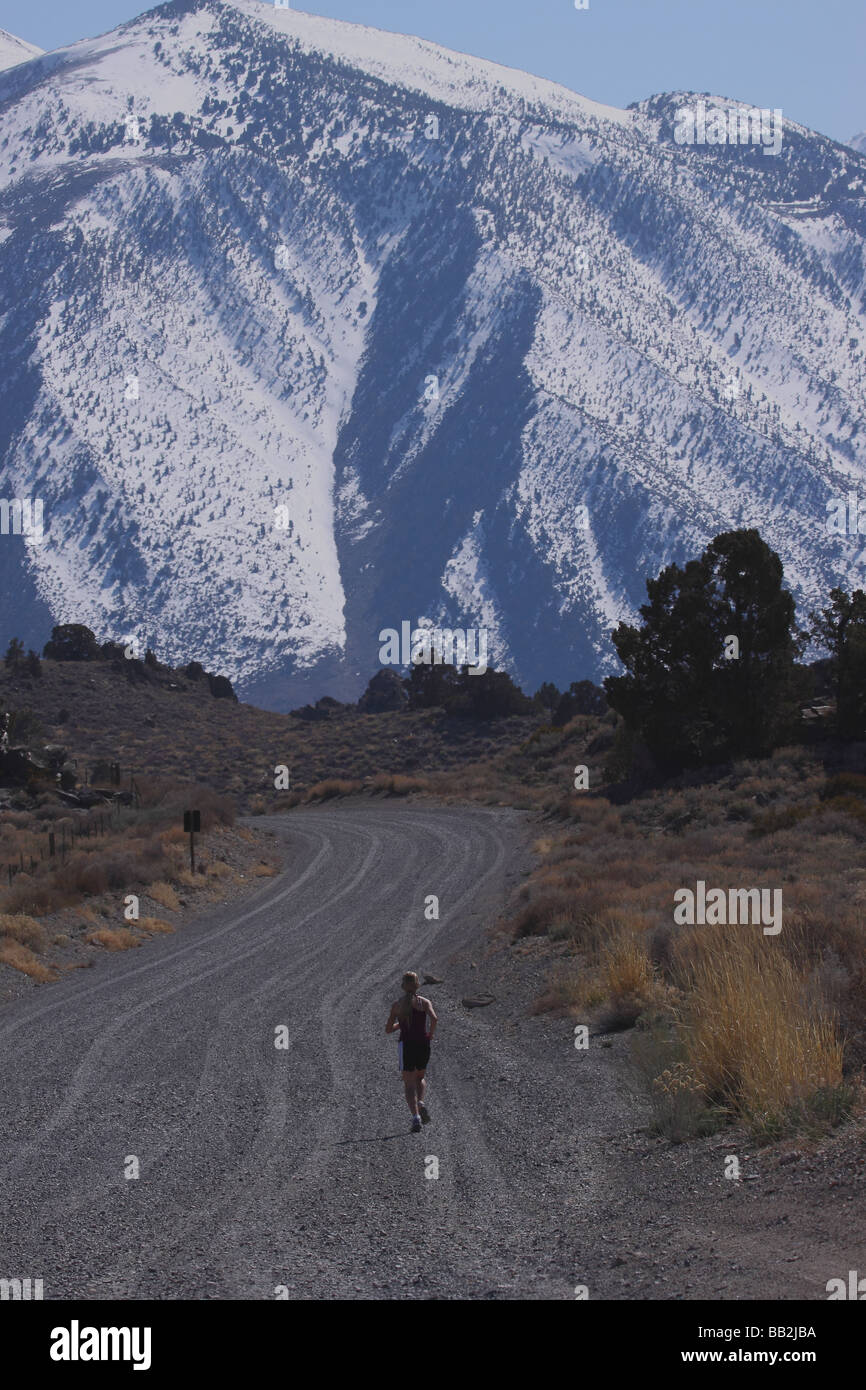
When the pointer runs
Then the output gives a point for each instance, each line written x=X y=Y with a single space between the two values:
x=424 y=1113
x=416 y=1125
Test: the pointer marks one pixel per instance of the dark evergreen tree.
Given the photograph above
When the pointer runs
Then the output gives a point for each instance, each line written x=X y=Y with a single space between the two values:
x=842 y=630
x=711 y=673
x=385 y=691
x=221 y=688
x=493 y=695
x=581 y=697
x=433 y=686
x=72 y=642
x=547 y=697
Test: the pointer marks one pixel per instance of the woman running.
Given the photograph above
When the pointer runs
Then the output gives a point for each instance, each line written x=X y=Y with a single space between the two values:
x=416 y=1018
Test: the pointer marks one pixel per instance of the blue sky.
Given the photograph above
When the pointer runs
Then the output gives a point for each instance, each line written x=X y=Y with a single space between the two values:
x=805 y=56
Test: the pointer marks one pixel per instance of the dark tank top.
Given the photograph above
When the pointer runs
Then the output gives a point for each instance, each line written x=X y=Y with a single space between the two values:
x=414 y=1029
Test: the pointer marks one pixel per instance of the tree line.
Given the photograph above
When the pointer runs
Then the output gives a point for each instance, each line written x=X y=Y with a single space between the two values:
x=712 y=671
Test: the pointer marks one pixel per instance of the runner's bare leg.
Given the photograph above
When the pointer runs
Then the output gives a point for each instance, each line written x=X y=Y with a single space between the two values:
x=411 y=1088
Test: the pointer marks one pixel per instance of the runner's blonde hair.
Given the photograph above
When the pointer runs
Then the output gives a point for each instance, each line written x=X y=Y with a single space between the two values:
x=409 y=984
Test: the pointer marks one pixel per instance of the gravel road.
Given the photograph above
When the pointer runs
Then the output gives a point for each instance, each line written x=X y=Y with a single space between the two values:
x=263 y=1167
x=265 y=1171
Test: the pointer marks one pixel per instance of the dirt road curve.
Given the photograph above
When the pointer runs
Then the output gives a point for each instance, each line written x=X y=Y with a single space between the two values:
x=263 y=1168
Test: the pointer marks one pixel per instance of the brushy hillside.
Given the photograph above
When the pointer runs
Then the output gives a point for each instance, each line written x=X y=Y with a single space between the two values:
x=728 y=1023
x=162 y=724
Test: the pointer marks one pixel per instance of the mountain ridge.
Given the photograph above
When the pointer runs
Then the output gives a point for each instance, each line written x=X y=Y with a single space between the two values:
x=497 y=356
x=14 y=50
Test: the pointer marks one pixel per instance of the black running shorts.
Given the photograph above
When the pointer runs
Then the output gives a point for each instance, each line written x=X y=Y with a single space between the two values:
x=413 y=1056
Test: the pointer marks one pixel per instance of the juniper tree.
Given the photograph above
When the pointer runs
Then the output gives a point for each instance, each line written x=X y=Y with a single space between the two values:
x=842 y=630
x=711 y=673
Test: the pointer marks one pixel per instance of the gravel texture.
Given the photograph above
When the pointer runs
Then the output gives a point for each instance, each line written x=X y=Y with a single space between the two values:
x=265 y=1168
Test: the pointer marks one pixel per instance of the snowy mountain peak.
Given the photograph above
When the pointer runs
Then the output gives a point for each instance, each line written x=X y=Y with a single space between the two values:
x=307 y=330
x=14 y=50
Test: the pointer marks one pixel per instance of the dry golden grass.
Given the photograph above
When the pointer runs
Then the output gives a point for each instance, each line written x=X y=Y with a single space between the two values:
x=24 y=930
x=756 y=1041
x=154 y=925
x=627 y=971
x=396 y=784
x=570 y=989
x=21 y=958
x=263 y=871
x=165 y=895
x=770 y=1029
x=333 y=786
x=113 y=938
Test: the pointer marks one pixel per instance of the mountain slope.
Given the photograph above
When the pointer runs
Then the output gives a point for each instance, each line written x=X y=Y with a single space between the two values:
x=326 y=329
x=14 y=50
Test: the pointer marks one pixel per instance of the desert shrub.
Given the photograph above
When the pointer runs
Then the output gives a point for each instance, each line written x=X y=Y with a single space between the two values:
x=166 y=798
x=331 y=787
x=835 y=810
x=627 y=979
x=21 y=958
x=24 y=930
x=679 y=1106
x=566 y=990
x=845 y=784
x=627 y=969
x=113 y=938
x=154 y=926
x=398 y=785
x=537 y=916
x=165 y=895
x=33 y=895
x=769 y=822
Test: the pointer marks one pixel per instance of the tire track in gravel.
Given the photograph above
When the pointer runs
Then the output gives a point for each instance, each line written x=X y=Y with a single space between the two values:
x=172 y=998
x=481 y=1182
x=261 y=1167
x=273 y=1122
x=131 y=1062
x=342 y=1002
x=89 y=1071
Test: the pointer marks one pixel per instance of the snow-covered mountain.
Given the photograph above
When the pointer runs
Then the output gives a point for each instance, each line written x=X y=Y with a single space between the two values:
x=309 y=329
x=13 y=50
x=858 y=142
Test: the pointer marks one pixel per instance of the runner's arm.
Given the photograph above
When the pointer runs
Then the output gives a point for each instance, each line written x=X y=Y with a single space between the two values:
x=393 y=1022
x=434 y=1019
